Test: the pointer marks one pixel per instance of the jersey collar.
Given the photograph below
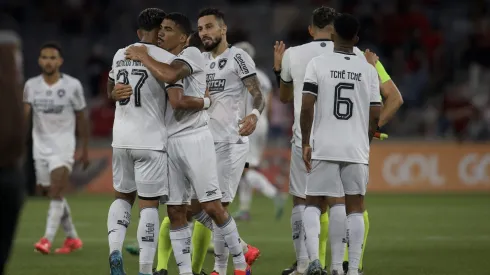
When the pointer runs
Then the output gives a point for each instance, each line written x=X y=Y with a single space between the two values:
x=346 y=53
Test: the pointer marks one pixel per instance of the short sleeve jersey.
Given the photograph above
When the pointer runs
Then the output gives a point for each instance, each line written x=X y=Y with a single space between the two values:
x=224 y=75
x=139 y=121
x=54 y=118
x=293 y=70
x=183 y=121
x=345 y=86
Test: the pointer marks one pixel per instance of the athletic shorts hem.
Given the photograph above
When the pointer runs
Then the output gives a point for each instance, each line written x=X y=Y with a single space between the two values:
x=325 y=194
x=354 y=193
x=124 y=191
x=208 y=199
x=296 y=194
x=151 y=195
x=177 y=203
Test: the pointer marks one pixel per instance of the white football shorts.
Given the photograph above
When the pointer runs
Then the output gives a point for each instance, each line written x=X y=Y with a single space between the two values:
x=44 y=167
x=336 y=179
x=231 y=159
x=144 y=171
x=192 y=167
x=297 y=173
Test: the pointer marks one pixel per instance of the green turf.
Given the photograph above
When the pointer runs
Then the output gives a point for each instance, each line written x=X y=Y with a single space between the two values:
x=410 y=235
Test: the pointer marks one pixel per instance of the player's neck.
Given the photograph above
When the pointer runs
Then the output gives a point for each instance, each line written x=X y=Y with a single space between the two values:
x=343 y=48
x=322 y=36
x=52 y=79
x=221 y=48
x=177 y=50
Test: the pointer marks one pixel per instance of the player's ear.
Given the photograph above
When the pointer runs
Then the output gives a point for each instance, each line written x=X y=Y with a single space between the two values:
x=310 y=31
x=61 y=60
x=140 y=34
x=355 y=39
x=224 y=29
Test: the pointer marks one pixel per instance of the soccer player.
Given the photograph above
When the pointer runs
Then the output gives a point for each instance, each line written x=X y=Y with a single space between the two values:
x=12 y=138
x=190 y=161
x=252 y=178
x=57 y=104
x=289 y=66
x=139 y=160
x=230 y=74
x=341 y=98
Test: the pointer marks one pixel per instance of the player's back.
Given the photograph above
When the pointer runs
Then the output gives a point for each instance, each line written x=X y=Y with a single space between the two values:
x=347 y=85
x=139 y=121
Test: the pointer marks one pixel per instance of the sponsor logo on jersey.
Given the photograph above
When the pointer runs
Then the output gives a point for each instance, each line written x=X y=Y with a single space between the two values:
x=215 y=85
x=241 y=64
x=222 y=63
x=212 y=65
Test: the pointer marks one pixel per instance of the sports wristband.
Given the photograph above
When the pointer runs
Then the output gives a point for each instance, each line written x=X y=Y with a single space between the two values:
x=256 y=113
x=207 y=103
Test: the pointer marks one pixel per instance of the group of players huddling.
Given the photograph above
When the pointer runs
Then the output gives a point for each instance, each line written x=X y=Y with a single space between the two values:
x=186 y=103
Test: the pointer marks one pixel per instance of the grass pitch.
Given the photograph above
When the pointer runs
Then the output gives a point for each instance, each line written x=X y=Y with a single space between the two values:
x=409 y=235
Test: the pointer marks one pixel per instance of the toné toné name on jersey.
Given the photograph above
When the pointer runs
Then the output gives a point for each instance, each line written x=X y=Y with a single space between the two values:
x=345 y=75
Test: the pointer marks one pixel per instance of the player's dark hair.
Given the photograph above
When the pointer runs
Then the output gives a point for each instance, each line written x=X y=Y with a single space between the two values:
x=52 y=45
x=150 y=19
x=323 y=16
x=212 y=11
x=346 y=26
x=195 y=41
x=182 y=21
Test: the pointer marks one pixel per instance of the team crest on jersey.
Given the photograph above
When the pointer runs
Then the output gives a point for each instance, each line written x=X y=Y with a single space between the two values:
x=222 y=63
x=241 y=64
x=323 y=44
x=61 y=93
x=49 y=92
x=212 y=65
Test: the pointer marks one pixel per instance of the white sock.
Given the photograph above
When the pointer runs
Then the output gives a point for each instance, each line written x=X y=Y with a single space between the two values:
x=67 y=223
x=205 y=219
x=181 y=244
x=311 y=222
x=148 y=230
x=299 y=238
x=355 y=239
x=118 y=221
x=221 y=252
x=229 y=232
x=260 y=182
x=54 y=218
x=336 y=235
x=245 y=195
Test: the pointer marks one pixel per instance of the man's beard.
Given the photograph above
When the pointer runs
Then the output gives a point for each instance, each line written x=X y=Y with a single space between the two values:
x=49 y=72
x=213 y=45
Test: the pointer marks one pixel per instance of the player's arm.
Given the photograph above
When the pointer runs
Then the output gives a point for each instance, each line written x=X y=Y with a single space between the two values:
x=172 y=73
x=82 y=126
x=110 y=87
x=286 y=87
x=179 y=101
x=375 y=105
x=310 y=92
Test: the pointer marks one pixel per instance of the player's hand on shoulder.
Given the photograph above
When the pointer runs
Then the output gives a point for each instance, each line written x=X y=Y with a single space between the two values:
x=371 y=57
x=279 y=49
x=136 y=52
x=121 y=91
x=307 y=156
x=247 y=125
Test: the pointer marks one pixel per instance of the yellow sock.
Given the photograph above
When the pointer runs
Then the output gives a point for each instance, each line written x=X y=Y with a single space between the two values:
x=366 y=231
x=323 y=238
x=201 y=237
x=164 y=245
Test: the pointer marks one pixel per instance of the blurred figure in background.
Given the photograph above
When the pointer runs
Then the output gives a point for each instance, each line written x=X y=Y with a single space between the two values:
x=11 y=140
x=252 y=178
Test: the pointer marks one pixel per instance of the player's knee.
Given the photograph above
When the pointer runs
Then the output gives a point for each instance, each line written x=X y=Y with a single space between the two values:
x=148 y=202
x=298 y=201
x=331 y=201
x=128 y=197
x=225 y=204
x=195 y=207
x=177 y=214
x=354 y=204
x=214 y=209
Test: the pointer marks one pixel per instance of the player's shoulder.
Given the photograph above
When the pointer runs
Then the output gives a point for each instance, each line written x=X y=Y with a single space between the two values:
x=191 y=51
x=70 y=81
x=34 y=80
x=239 y=53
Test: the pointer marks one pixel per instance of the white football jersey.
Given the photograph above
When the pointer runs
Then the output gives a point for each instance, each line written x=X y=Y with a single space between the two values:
x=180 y=121
x=139 y=122
x=266 y=89
x=293 y=70
x=346 y=86
x=53 y=114
x=228 y=93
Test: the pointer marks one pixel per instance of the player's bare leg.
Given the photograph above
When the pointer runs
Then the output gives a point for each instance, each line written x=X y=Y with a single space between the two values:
x=59 y=213
x=118 y=220
x=180 y=237
x=355 y=230
x=336 y=232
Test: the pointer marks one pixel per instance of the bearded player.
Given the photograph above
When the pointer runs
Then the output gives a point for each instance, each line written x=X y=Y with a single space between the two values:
x=289 y=67
x=57 y=104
